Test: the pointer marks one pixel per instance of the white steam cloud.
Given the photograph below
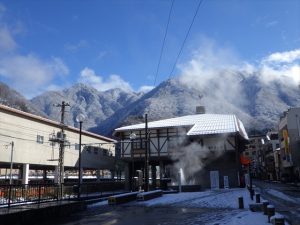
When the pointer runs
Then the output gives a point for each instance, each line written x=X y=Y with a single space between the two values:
x=192 y=158
x=211 y=62
x=220 y=72
x=214 y=70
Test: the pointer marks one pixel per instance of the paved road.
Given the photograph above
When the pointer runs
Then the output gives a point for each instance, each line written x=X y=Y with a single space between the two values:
x=287 y=203
x=134 y=215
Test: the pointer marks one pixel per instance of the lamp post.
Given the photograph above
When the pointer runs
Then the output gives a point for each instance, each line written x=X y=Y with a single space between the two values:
x=132 y=137
x=146 y=154
x=80 y=117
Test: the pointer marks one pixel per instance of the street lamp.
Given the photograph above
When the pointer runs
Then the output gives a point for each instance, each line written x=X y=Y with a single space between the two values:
x=79 y=118
x=132 y=137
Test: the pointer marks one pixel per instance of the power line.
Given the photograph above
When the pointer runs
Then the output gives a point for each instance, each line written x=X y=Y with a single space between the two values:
x=186 y=36
x=164 y=40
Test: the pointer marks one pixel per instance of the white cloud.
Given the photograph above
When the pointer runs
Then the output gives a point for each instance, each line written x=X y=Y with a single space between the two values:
x=289 y=74
x=283 y=57
x=2 y=9
x=282 y=67
x=7 y=43
x=145 y=88
x=271 y=23
x=29 y=74
x=58 y=66
x=77 y=46
x=88 y=76
x=101 y=55
x=219 y=71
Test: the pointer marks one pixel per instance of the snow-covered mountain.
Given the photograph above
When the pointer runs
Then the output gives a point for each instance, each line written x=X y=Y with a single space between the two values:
x=12 y=98
x=97 y=106
x=258 y=104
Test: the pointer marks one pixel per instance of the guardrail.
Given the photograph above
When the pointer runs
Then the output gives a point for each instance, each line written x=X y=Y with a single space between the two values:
x=35 y=193
x=122 y=198
x=144 y=196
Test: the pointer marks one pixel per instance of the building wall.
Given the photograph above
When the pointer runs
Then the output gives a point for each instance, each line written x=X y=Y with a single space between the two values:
x=290 y=157
x=32 y=145
x=171 y=144
x=163 y=142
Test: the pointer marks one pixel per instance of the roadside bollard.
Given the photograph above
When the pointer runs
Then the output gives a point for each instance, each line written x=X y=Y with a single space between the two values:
x=271 y=211
x=257 y=196
x=279 y=220
x=264 y=207
x=241 y=203
x=251 y=194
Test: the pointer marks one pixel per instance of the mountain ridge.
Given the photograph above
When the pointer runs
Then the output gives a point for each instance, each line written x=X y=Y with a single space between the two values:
x=258 y=105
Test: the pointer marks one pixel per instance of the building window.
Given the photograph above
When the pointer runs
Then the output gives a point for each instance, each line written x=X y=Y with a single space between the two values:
x=40 y=139
x=76 y=146
x=89 y=149
x=254 y=153
x=246 y=153
x=105 y=152
x=139 y=144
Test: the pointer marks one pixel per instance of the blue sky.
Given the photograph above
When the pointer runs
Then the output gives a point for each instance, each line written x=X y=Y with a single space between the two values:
x=49 y=45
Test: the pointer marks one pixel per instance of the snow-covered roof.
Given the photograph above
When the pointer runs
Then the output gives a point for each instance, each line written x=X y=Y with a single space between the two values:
x=201 y=124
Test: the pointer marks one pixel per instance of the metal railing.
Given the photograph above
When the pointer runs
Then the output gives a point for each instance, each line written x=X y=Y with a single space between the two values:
x=36 y=193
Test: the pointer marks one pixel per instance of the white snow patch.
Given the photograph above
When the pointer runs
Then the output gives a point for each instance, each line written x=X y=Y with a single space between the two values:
x=97 y=204
x=208 y=199
x=281 y=195
x=244 y=218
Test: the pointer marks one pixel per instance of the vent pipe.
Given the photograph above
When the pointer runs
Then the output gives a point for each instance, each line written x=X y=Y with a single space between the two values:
x=200 y=110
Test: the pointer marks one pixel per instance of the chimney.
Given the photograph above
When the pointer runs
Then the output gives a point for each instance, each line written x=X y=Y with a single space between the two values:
x=200 y=110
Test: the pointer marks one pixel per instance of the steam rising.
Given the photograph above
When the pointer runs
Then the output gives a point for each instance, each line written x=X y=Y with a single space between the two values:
x=192 y=158
x=222 y=67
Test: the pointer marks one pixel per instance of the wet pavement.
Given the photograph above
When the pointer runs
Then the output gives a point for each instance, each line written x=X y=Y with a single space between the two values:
x=141 y=215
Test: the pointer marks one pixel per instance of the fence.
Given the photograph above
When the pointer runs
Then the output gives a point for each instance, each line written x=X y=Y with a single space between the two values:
x=35 y=193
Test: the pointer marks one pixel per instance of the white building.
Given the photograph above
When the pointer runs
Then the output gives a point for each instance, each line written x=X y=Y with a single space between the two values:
x=289 y=136
x=195 y=143
x=28 y=136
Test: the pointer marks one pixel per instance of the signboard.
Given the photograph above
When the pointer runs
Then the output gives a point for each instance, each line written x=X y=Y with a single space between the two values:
x=214 y=179
x=286 y=141
x=226 y=182
x=247 y=179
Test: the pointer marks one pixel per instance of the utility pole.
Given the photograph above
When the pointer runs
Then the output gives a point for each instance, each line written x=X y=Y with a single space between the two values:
x=146 y=154
x=61 y=147
x=11 y=162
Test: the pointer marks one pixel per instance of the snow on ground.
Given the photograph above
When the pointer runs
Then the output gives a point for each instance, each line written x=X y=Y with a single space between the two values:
x=281 y=195
x=211 y=207
x=244 y=218
x=102 y=203
x=223 y=198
